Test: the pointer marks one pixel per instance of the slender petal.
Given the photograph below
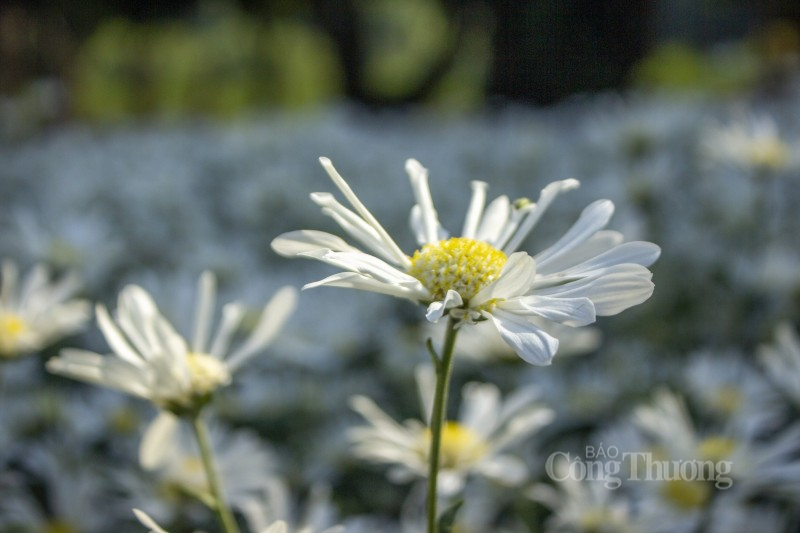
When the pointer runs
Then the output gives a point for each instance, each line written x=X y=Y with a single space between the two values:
x=475 y=209
x=294 y=243
x=569 y=311
x=422 y=193
x=593 y=218
x=612 y=292
x=400 y=257
x=516 y=277
x=528 y=341
x=494 y=220
x=231 y=318
x=437 y=309
x=546 y=197
x=206 y=294
x=352 y=280
x=273 y=317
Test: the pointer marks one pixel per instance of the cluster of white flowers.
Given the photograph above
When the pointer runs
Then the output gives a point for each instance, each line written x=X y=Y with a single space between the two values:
x=135 y=213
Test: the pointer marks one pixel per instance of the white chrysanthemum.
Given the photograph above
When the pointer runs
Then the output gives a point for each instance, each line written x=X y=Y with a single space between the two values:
x=583 y=505
x=782 y=361
x=752 y=142
x=476 y=443
x=152 y=361
x=746 y=462
x=35 y=312
x=480 y=275
x=169 y=449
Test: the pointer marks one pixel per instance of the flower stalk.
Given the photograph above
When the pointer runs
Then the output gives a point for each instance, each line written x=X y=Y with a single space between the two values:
x=226 y=519
x=443 y=365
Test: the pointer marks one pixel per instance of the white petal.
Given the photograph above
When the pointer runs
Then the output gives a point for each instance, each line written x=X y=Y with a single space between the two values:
x=521 y=426
x=273 y=317
x=418 y=176
x=494 y=220
x=297 y=242
x=515 y=279
x=159 y=436
x=568 y=311
x=148 y=522
x=546 y=197
x=480 y=407
x=352 y=280
x=437 y=309
x=388 y=428
x=362 y=210
x=593 y=218
x=504 y=469
x=450 y=483
x=106 y=371
x=232 y=314
x=635 y=253
x=355 y=226
x=367 y=265
x=615 y=290
x=475 y=210
x=278 y=527
x=115 y=339
x=206 y=295
x=528 y=341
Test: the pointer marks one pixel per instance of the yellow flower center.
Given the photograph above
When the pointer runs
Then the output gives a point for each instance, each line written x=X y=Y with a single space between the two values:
x=12 y=327
x=716 y=448
x=769 y=153
x=459 y=264
x=727 y=399
x=460 y=446
x=207 y=373
x=686 y=494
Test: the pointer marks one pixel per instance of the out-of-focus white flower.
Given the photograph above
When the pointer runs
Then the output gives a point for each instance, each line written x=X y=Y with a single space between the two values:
x=782 y=361
x=152 y=361
x=475 y=444
x=272 y=510
x=752 y=142
x=724 y=386
x=584 y=506
x=480 y=275
x=35 y=311
x=170 y=450
x=734 y=459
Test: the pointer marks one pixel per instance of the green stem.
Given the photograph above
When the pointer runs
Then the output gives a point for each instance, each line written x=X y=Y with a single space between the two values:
x=224 y=514
x=443 y=366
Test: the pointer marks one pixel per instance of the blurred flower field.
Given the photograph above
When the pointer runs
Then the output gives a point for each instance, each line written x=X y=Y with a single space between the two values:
x=708 y=368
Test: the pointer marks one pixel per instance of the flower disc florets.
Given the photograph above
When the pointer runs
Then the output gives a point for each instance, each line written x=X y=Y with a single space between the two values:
x=459 y=264
x=12 y=329
x=206 y=374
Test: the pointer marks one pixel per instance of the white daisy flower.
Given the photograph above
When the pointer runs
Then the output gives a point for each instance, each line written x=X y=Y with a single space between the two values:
x=782 y=361
x=583 y=505
x=170 y=450
x=152 y=361
x=476 y=443
x=480 y=275
x=751 y=142
x=36 y=312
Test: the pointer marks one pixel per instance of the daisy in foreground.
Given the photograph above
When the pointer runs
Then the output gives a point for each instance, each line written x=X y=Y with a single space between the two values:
x=152 y=361
x=481 y=275
x=37 y=312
